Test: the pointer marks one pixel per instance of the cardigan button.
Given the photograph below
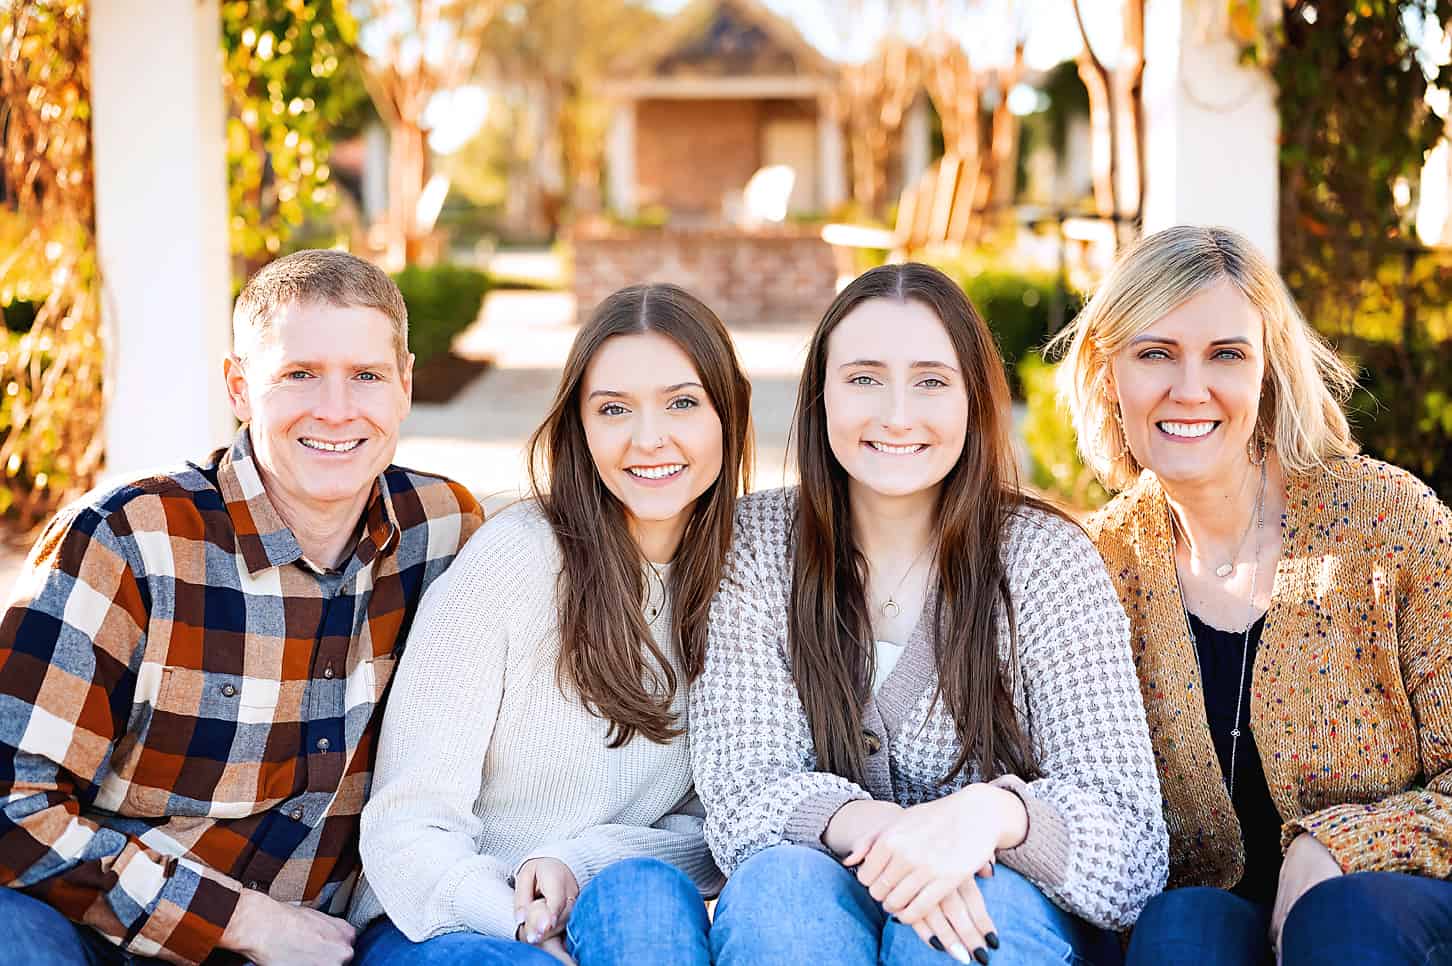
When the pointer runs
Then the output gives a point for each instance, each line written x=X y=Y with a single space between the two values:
x=871 y=741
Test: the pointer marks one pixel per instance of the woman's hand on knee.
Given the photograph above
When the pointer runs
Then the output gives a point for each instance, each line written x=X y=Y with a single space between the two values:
x=1308 y=863
x=933 y=848
x=544 y=892
x=959 y=925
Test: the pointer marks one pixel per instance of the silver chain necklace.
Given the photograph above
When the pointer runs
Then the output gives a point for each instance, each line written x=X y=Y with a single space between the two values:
x=1259 y=521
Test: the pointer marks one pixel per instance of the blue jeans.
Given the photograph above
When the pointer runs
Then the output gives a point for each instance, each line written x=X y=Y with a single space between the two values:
x=1201 y=926
x=1371 y=919
x=641 y=912
x=789 y=904
x=37 y=935
x=638 y=911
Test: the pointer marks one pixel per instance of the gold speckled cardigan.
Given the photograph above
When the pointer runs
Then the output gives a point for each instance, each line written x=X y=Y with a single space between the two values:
x=1351 y=703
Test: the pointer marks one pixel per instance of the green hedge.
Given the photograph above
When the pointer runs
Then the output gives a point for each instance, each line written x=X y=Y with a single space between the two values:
x=1017 y=305
x=442 y=301
x=1049 y=436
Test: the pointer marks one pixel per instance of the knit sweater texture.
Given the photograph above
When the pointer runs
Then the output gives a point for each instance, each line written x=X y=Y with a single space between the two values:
x=1096 y=841
x=1351 y=693
x=485 y=762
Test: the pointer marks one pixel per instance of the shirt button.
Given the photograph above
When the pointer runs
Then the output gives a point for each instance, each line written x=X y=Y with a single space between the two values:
x=323 y=744
x=254 y=885
x=871 y=741
x=297 y=814
x=328 y=671
x=229 y=691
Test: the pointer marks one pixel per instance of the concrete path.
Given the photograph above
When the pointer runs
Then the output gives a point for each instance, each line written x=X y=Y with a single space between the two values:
x=478 y=438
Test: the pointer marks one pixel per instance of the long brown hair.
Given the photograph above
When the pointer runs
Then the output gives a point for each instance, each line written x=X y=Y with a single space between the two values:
x=830 y=631
x=604 y=639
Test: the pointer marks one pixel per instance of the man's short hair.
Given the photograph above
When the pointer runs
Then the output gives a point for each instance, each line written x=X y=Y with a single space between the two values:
x=316 y=276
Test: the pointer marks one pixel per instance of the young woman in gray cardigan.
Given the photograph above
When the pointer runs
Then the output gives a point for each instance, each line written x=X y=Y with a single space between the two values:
x=918 y=734
x=533 y=782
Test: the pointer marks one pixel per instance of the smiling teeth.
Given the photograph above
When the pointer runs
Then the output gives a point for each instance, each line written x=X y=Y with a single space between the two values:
x=1188 y=430
x=896 y=450
x=331 y=447
x=656 y=472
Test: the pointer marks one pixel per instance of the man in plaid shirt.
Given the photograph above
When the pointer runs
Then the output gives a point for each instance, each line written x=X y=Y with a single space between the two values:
x=192 y=665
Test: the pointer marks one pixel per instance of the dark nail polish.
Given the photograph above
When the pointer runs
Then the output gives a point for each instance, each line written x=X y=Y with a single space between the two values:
x=895 y=919
x=992 y=940
x=981 y=955
x=937 y=944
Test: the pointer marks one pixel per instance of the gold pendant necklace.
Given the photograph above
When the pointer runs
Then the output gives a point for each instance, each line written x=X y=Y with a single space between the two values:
x=890 y=608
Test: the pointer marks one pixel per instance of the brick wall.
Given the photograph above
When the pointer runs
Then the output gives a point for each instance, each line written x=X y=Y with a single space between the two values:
x=746 y=277
x=688 y=153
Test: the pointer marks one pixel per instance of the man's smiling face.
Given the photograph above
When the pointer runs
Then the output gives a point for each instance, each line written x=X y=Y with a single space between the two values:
x=324 y=394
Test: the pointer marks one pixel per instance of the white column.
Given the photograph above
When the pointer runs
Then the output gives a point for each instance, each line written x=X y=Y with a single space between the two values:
x=375 y=173
x=831 y=158
x=1211 y=127
x=161 y=228
x=917 y=142
x=620 y=159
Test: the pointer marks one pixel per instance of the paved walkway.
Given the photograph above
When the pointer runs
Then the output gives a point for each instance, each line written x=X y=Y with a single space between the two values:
x=478 y=438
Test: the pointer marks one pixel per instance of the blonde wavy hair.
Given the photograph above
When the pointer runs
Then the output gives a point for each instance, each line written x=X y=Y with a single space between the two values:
x=1305 y=386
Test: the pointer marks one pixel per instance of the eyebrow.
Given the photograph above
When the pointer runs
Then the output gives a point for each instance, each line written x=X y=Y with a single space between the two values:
x=879 y=364
x=617 y=394
x=1233 y=340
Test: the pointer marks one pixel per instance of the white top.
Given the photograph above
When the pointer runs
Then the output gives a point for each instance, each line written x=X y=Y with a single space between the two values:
x=887 y=657
x=484 y=763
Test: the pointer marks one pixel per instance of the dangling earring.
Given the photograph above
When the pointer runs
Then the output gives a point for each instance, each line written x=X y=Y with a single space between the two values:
x=1124 y=452
x=1257 y=442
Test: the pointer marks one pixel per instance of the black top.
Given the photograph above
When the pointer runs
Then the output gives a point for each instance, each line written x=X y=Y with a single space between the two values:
x=1220 y=654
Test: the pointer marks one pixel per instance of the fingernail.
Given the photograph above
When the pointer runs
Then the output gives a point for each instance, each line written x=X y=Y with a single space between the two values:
x=992 y=940
x=895 y=919
x=981 y=955
x=533 y=937
x=959 y=953
x=936 y=943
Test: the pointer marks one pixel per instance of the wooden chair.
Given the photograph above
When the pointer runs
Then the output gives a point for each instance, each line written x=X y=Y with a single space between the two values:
x=937 y=209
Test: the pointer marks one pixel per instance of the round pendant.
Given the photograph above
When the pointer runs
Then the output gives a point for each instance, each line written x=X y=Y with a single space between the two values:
x=890 y=610
x=1224 y=570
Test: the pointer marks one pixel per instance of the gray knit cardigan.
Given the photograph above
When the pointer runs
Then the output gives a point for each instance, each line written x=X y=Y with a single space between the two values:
x=1096 y=844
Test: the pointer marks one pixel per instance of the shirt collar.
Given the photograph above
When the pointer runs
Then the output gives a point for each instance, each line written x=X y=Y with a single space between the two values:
x=265 y=541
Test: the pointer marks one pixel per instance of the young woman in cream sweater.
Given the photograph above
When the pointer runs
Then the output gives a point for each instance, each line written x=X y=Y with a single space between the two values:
x=532 y=796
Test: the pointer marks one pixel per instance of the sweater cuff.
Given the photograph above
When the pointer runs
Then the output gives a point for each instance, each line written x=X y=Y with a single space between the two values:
x=1403 y=833
x=1043 y=855
x=808 y=821
x=484 y=901
x=583 y=861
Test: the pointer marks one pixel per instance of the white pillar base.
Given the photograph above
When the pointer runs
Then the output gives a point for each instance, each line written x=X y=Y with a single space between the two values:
x=161 y=229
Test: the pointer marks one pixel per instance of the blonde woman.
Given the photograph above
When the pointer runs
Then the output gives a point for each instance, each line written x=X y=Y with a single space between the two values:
x=1291 y=617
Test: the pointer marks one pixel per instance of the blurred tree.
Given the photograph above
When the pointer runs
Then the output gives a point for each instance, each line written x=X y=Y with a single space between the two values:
x=1116 y=116
x=413 y=50
x=52 y=374
x=873 y=99
x=556 y=51
x=294 y=85
x=1350 y=153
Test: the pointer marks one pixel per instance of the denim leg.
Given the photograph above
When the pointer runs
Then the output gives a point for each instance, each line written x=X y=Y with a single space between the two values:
x=1372 y=919
x=382 y=943
x=1032 y=931
x=642 y=912
x=789 y=905
x=37 y=935
x=1200 y=925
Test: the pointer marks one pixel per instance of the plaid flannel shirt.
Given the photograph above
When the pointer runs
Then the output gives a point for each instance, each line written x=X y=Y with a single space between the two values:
x=187 y=706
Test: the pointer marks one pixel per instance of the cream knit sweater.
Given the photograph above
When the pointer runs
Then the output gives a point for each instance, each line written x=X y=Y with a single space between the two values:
x=1096 y=842
x=484 y=763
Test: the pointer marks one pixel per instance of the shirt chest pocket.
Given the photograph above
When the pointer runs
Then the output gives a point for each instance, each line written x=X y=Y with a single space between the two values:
x=216 y=744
